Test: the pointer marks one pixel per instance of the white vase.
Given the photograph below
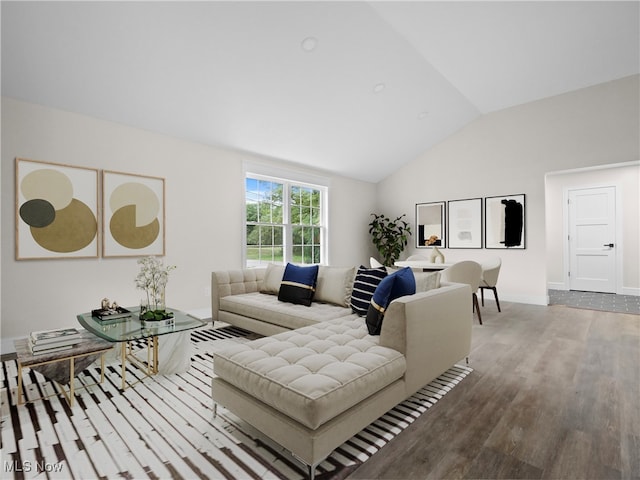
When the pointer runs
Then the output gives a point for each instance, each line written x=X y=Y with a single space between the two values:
x=436 y=254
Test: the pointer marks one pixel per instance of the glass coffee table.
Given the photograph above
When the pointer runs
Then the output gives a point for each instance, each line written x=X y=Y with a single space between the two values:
x=127 y=330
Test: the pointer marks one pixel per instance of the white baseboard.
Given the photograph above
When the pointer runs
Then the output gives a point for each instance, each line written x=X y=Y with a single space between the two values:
x=7 y=345
x=631 y=291
x=557 y=286
x=529 y=299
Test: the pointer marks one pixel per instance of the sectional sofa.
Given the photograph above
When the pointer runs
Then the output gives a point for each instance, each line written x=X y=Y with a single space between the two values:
x=319 y=377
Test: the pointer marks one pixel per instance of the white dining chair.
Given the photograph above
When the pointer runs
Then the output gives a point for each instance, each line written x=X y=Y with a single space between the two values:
x=489 y=278
x=468 y=272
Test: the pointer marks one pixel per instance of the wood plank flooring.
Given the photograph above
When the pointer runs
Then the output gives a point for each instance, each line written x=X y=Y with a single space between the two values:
x=555 y=393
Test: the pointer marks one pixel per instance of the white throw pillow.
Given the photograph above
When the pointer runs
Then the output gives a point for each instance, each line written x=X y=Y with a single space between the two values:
x=334 y=285
x=272 y=279
x=427 y=281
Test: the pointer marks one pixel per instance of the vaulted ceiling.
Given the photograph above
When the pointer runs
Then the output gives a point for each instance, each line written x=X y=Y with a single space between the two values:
x=356 y=88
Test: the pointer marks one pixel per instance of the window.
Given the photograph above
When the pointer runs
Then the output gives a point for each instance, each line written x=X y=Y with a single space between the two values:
x=284 y=221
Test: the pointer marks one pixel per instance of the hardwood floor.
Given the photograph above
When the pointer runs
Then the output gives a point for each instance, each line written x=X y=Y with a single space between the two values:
x=555 y=393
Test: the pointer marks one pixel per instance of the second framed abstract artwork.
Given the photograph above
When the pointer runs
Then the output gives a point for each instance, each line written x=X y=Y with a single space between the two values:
x=133 y=215
x=465 y=223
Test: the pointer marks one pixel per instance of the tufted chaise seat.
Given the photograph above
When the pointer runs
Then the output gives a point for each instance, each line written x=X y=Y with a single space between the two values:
x=312 y=388
x=314 y=373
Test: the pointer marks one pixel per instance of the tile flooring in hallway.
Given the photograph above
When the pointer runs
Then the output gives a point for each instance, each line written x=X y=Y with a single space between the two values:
x=606 y=302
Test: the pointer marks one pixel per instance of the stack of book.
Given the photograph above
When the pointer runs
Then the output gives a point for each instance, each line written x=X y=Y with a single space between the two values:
x=48 y=341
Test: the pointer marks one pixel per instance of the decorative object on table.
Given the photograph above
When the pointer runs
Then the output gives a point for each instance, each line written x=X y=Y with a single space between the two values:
x=430 y=220
x=110 y=311
x=389 y=236
x=465 y=223
x=153 y=278
x=162 y=322
x=49 y=341
x=56 y=210
x=505 y=222
x=436 y=254
x=133 y=215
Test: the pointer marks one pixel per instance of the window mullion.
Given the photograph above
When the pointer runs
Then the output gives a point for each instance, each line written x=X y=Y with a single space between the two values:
x=287 y=237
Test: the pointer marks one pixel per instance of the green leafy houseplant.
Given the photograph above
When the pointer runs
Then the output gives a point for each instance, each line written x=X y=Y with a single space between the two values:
x=389 y=236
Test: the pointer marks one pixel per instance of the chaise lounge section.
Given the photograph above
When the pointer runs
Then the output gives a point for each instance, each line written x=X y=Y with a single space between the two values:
x=314 y=387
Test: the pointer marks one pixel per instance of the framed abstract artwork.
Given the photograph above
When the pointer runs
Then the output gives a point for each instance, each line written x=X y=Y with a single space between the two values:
x=56 y=210
x=133 y=215
x=465 y=223
x=430 y=225
x=505 y=222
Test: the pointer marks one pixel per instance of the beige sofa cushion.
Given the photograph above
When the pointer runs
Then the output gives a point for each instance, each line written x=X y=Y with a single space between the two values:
x=427 y=281
x=268 y=308
x=272 y=279
x=334 y=285
x=314 y=373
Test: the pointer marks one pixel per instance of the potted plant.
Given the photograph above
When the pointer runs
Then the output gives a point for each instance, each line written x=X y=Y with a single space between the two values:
x=153 y=278
x=389 y=236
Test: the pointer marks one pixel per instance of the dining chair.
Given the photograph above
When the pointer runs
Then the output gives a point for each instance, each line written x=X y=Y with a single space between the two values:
x=489 y=278
x=468 y=272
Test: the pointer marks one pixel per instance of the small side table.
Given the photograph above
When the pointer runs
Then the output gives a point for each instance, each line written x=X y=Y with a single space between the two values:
x=62 y=366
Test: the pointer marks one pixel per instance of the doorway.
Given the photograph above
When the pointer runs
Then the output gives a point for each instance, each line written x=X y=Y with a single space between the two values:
x=592 y=239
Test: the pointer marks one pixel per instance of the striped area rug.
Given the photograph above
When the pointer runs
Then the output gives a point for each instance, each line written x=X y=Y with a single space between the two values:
x=163 y=427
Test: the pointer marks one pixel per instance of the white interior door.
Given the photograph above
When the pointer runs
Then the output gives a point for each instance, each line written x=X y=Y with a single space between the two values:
x=592 y=243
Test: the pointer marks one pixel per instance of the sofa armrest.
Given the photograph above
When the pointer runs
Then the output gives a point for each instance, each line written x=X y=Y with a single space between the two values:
x=233 y=282
x=432 y=329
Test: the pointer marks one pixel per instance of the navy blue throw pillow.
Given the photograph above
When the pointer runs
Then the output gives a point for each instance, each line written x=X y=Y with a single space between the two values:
x=396 y=285
x=367 y=279
x=298 y=284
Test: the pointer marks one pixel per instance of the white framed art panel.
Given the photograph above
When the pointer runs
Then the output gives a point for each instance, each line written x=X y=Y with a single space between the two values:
x=465 y=223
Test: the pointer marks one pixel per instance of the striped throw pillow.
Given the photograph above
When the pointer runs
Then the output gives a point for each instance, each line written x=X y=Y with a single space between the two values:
x=367 y=279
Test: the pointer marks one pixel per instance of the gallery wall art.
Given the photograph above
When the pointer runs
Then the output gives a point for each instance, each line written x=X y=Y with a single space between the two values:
x=133 y=215
x=430 y=225
x=499 y=223
x=465 y=223
x=56 y=210
x=505 y=222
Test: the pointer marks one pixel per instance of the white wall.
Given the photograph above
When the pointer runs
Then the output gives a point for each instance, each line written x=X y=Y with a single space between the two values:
x=509 y=152
x=204 y=202
x=626 y=179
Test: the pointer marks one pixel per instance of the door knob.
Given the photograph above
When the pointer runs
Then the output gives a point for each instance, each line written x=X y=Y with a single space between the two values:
x=610 y=245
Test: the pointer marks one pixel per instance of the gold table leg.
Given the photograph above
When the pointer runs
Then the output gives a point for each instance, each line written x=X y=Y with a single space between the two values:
x=72 y=375
x=102 y=368
x=124 y=364
x=155 y=355
x=150 y=367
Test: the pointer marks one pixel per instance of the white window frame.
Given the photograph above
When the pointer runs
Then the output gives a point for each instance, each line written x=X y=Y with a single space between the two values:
x=288 y=179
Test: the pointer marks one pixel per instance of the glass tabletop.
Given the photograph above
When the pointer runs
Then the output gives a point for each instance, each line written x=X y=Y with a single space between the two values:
x=132 y=328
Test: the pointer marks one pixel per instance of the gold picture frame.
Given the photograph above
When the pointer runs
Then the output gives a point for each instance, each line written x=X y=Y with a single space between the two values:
x=56 y=210
x=133 y=215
